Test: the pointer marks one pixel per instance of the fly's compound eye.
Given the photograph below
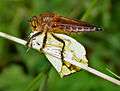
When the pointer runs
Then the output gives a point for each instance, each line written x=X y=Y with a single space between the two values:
x=34 y=22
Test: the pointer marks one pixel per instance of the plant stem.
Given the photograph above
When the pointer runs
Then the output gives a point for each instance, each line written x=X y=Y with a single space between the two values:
x=12 y=38
x=32 y=86
x=95 y=72
x=113 y=73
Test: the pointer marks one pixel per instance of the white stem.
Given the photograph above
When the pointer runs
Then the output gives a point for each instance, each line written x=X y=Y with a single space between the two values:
x=89 y=69
x=15 y=39
x=95 y=72
x=102 y=75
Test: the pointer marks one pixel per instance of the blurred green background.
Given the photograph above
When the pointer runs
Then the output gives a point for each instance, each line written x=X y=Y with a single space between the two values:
x=18 y=69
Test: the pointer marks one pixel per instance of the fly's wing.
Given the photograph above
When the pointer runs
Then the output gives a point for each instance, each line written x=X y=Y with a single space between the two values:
x=71 y=25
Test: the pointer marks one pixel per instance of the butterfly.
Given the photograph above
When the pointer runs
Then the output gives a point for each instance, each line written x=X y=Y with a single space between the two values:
x=52 y=24
x=74 y=52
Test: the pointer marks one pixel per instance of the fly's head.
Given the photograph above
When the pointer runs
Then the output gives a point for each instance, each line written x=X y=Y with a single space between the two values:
x=38 y=23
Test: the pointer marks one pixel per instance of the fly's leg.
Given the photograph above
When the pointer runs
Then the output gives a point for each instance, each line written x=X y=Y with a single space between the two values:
x=44 y=41
x=46 y=28
x=62 y=41
x=29 y=40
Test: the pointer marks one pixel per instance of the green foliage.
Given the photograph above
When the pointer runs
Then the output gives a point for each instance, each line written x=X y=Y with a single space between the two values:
x=13 y=79
x=17 y=69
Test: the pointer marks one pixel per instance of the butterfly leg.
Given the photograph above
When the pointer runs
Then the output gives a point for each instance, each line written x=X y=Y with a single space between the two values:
x=29 y=40
x=60 y=40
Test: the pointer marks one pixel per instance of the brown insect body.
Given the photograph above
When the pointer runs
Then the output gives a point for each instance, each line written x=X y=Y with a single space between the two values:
x=58 y=24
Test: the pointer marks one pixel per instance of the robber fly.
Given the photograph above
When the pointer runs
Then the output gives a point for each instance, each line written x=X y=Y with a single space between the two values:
x=53 y=23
